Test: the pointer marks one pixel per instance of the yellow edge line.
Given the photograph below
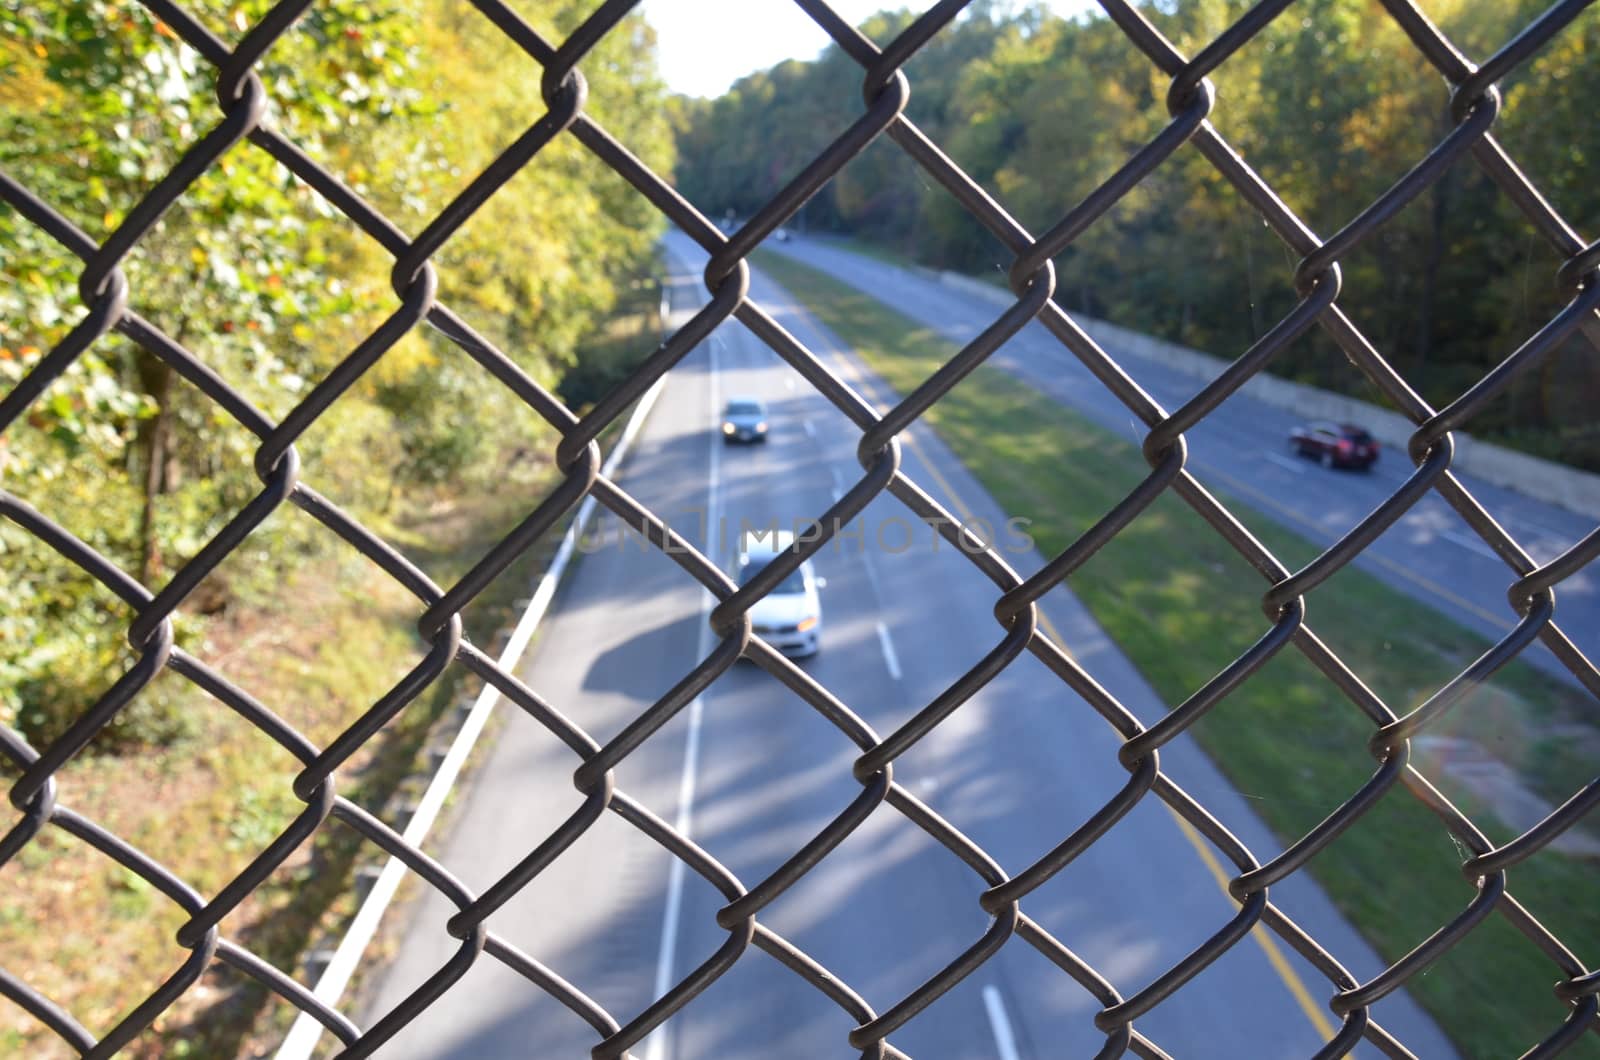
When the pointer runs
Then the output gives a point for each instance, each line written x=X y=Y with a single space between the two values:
x=967 y=516
x=1263 y=937
x=1269 y=945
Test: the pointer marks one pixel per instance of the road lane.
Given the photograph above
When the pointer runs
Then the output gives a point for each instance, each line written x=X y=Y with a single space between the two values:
x=1017 y=768
x=1061 y=758
x=1241 y=449
x=621 y=630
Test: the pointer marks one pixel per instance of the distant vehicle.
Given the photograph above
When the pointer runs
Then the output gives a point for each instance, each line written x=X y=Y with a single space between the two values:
x=744 y=419
x=783 y=235
x=1335 y=445
x=790 y=616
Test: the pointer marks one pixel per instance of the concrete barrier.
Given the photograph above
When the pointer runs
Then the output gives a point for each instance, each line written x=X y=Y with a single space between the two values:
x=1545 y=480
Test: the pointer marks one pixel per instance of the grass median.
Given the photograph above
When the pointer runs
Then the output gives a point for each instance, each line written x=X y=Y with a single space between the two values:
x=1181 y=604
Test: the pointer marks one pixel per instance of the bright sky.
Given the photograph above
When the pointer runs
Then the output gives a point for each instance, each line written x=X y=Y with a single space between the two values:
x=707 y=46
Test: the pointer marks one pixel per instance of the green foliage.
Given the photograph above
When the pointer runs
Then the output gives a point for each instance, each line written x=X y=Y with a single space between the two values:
x=271 y=288
x=1182 y=604
x=1331 y=104
x=615 y=351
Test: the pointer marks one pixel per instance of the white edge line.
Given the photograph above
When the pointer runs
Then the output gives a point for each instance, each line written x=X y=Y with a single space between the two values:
x=306 y=1031
x=655 y=1046
x=889 y=658
x=1287 y=463
x=1005 y=1043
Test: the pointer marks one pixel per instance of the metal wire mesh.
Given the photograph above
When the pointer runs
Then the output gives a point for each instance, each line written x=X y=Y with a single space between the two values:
x=41 y=803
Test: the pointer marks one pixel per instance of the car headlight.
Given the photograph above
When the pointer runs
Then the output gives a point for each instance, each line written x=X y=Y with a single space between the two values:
x=762 y=426
x=727 y=428
x=807 y=624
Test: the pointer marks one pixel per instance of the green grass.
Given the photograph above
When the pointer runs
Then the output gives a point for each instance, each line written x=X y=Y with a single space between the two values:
x=331 y=640
x=319 y=652
x=1182 y=604
x=610 y=355
x=877 y=251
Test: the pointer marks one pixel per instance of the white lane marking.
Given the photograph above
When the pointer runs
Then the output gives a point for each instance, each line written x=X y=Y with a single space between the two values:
x=1295 y=464
x=837 y=494
x=872 y=575
x=889 y=658
x=656 y=1045
x=846 y=369
x=1468 y=542
x=811 y=430
x=305 y=1032
x=788 y=381
x=1005 y=1043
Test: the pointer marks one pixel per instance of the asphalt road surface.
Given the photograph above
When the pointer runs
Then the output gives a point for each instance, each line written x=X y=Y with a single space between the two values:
x=1241 y=449
x=754 y=773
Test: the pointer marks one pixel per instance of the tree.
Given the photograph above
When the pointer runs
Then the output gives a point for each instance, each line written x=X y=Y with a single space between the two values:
x=262 y=280
x=1330 y=103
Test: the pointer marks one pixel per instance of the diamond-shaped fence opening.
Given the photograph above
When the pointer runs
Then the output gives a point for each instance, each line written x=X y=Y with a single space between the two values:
x=994 y=891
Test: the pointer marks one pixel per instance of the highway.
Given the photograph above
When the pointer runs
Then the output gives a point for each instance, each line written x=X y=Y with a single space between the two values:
x=753 y=773
x=1241 y=450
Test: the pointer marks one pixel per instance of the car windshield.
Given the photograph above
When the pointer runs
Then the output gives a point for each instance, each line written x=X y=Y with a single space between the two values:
x=794 y=583
x=743 y=408
x=1361 y=437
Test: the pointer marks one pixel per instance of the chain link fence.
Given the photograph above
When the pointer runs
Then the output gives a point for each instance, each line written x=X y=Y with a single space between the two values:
x=41 y=803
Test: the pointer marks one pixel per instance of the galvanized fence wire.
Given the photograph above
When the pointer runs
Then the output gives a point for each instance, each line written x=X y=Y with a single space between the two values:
x=241 y=96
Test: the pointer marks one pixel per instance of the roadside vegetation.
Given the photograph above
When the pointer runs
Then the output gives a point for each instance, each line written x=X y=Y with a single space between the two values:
x=1181 y=604
x=1331 y=104
x=270 y=288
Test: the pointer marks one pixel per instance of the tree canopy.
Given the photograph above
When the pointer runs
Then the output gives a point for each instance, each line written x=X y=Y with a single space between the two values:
x=270 y=287
x=1331 y=104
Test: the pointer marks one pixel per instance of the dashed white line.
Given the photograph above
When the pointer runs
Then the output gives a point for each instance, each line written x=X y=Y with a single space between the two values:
x=788 y=381
x=1468 y=542
x=811 y=430
x=656 y=1045
x=1288 y=463
x=1005 y=1043
x=890 y=660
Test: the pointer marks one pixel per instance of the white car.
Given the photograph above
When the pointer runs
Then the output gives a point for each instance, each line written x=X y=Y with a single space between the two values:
x=790 y=616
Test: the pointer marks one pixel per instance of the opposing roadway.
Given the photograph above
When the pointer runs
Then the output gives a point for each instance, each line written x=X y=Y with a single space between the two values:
x=1241 y=449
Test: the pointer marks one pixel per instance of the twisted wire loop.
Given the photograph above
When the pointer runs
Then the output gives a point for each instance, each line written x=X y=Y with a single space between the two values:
x=1192 y=104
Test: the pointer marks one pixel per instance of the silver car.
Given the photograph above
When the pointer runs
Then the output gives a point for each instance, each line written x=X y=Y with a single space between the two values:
x=790 y=616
